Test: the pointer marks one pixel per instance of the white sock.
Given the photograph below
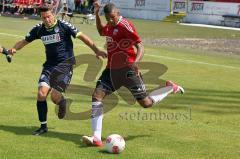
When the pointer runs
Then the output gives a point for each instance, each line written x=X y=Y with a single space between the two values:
x=97 y=117
x=159 y=94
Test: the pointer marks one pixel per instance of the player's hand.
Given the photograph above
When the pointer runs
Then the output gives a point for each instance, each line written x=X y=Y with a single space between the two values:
x=12 y=51
x=97 y=6
x=102 y=54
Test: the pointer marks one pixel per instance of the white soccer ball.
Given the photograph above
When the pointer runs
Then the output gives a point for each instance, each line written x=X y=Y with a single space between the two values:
x=115 y=144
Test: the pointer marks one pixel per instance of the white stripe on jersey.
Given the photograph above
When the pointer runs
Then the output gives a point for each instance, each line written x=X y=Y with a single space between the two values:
x=127 y=25
x=63 y=21
x=38 y=25
x=75 y=30
x=69 y=25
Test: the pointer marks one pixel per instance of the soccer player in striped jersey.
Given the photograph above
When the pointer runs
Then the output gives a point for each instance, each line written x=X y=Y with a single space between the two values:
x=121 y=69
x=56 y=37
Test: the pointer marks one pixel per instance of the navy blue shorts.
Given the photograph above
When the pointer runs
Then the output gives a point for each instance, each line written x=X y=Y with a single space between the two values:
x=57 y=77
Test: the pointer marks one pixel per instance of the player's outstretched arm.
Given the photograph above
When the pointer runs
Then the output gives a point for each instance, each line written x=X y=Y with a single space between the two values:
x=99 y=23
x=91 y=45
x=19 y=45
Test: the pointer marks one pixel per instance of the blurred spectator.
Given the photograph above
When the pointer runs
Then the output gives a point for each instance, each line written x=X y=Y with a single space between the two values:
x=84 y=6
x=90 y=6
x=66 y=12
x=1 y=6
x=8 y=7
x=78 y=6
x=36 y=4
x=55 y=6
x=19 y=7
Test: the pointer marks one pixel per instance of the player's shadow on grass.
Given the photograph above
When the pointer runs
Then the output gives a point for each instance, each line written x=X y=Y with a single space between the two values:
x=207 y=101
x=70 y=137
x=21 y=130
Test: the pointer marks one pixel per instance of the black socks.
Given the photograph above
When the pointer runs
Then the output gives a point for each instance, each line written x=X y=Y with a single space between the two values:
x=42 y=113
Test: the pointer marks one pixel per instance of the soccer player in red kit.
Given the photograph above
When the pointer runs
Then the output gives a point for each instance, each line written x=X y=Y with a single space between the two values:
x=121 y=69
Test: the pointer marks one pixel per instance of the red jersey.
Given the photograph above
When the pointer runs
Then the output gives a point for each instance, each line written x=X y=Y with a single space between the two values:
x=21 y=2
x=37 y=2
x=25 y=2
x=16 y=2
x=120 y=41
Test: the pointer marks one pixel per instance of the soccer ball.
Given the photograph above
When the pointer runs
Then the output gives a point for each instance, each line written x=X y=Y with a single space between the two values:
x=115 y=144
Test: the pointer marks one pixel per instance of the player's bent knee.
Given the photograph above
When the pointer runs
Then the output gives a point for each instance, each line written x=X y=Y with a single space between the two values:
x=42 y=96
x=96 y=96
x=42 y=93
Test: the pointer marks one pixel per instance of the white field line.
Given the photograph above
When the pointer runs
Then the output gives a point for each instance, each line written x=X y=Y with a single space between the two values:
x=192 y=61
x=155 y=56
x=210 y=26
x=12 y=35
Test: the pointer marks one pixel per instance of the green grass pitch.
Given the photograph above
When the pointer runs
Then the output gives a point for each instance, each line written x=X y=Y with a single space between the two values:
x=203 y=123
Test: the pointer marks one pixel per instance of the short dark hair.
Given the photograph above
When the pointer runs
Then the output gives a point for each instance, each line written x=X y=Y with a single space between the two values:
x=108 y=8
x=45 y=8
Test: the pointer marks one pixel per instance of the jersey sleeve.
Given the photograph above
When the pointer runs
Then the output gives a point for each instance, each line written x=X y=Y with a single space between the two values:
x=131 y=33
x=33 y=34
x=70 y=29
